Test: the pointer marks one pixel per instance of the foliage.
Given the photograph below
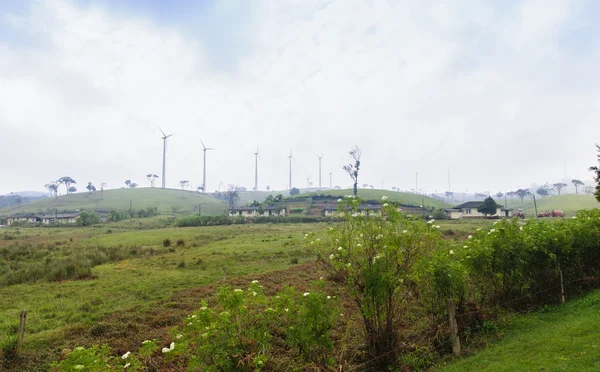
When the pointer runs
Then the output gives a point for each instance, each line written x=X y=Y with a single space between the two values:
x=522 y=193
x=543 y=191
x=559 y=186
x=232 y=196
x=353 y=169
x=488 y=207
x=90 y=187
x=87 y=219
x=152 y=178
x=67 y=181
x=374 y=258
x=72 y=189
x=100 y=358
x=596 y=170
x=294 y=191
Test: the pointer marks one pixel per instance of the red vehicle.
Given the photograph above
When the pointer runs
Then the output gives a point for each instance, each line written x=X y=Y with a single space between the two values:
x=552 y=213
x=521 y=214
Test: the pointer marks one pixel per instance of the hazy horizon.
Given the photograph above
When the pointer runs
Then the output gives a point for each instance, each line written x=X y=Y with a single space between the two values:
x=501 y=94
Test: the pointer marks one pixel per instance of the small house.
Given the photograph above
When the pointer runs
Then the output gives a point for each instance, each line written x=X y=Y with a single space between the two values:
x=257 y=211
x=469 y=210
x=23 y=218
x=60 y=218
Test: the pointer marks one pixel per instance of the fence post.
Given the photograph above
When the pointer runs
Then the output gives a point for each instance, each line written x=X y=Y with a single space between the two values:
x=562 y=288
x=224 y=273
x=453 y=327
x=22 y=322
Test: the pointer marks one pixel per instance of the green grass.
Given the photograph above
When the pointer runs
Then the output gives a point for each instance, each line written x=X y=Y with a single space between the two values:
x=565 y=338
x=569 y=203
x=136 y=285
x=163 y=199
x=400 y=197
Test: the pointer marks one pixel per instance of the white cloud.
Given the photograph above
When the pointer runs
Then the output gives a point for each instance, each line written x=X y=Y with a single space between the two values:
x=488 y=93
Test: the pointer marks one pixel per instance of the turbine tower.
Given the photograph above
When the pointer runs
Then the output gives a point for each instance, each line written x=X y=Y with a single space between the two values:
x=256 y=169
x=320 y=157
x=164 y=169
x=204 y=149
x=290 y=158
x=330 y=179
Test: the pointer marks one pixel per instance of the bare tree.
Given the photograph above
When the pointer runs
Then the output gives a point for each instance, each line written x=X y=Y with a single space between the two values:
x=183 y=184
x=152 y=178
x=353 y=169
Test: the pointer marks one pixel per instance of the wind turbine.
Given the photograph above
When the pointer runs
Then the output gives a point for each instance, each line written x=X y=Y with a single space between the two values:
x=164 y=169
x=290 y=158
x=320 y=157
x=330 y=179
x=256 y=157
x=204 y=149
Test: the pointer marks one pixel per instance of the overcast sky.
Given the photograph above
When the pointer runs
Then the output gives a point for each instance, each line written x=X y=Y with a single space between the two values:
x=501 y=94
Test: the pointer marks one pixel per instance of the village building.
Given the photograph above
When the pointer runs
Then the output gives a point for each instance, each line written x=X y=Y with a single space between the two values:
x=365 y=210
x=60 y=218
x=469 y=210
x=257 y=211
x=23 y=218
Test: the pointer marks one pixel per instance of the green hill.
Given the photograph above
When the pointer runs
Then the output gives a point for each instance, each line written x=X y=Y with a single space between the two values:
x=119 y=199
x=247 y=197
x=399 y=197
x=569 y=203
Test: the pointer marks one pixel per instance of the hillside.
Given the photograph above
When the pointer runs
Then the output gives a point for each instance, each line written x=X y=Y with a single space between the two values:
x=247 y=197
x=163 y=199
x=399 y=197
x=563 y=338
x=569 y=203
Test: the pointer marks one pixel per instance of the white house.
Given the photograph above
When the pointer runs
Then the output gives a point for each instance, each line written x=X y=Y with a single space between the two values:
x=469 y=210
x=60 y=218
x=256 y=211
x=365 y=210
x=23 y=218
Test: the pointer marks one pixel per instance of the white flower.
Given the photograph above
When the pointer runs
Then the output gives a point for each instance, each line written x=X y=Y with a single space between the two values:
x=340 y=248
x=126 y=355
x=306 y=294
x=254 y=293
x=348 y=264
x=254 y=281
x=238 y=290
x=384 y=198
x=521 y=228
x=306 y=235
x=189 y=324
x=430 y=221
x=465 y=246
x=146 y=342
x=269 y=309
x=166 y=350
x=356 y=214
x=320 y=278
x=492 y=230
x=126 y=365
x=172 y=346
x=179 y=336
x=362 y=235
x=437 y=226
x=479 y=229
x=573 y=217
x=359 y=245
x=203 y=308
x=404 y=231
x=451 y=251
x=470 y=236
x=331 y=256
x=78 y=348
x=331 y=229
x=318 y=239
x=287 y=310
x=495 y=222
x=339 y=200
x=328 y=297
x=385 y=204
x=79 y=366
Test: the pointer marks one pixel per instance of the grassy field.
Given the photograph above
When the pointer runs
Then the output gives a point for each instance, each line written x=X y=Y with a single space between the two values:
x=400 y=197
x=163 y=199
x=570 y=203
x=139 y=281
x=564 y=338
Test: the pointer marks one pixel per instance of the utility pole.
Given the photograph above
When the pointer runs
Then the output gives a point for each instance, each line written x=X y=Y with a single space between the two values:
x=417 y=183
x=330 y=179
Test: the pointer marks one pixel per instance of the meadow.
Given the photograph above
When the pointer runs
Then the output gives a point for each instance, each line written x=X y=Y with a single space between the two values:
x=569 y=203
x=136 y=282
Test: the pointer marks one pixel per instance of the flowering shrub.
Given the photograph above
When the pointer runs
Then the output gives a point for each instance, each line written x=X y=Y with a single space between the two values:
x=236 y=334
x=374 y=257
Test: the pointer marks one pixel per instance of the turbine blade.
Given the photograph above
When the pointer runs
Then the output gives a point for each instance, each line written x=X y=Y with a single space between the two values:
x=203 y=144
x=163 y=133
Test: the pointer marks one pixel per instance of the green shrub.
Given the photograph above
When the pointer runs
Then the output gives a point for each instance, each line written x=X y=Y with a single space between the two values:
x=166 y=243
x=180 y=243
x=181 y=264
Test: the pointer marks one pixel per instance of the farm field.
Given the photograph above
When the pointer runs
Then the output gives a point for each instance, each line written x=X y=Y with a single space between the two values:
x=163 y=199
x=564 y=338
x=569 y=203
x=137 y=283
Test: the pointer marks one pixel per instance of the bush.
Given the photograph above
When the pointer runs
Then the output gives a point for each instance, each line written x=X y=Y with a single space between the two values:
x=294 y=260
x=166 y=243
x=180 y=243
x=87 y=219
x=181 y=264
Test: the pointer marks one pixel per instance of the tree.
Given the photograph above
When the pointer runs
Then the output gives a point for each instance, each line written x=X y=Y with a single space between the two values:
x=183 y=184
x=90 y=187
x=127 y=182
x=102 y=187
x=294 y=191
x=488 y=207
x=200 y=188
x=480 y=195
x=596 y=170
x=558 y=186
x=575 y=183
x=365 y=185
x=133 y=185
x=255 y=203
x=449 y=195
x=87 y=219
x=522 y=193
x=499 y=195
x=72 y=189
x=543 y=191
x=152 y=178
x=270 y=200
x=588 y=190
x=268 y=188
x=67 y=181
x=353 y=169
x=278 y=198
x=231 y=196
x=52 y=188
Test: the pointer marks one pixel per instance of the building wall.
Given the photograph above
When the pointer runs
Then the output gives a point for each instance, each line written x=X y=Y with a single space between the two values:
x=475 y=214
x=454 y=215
